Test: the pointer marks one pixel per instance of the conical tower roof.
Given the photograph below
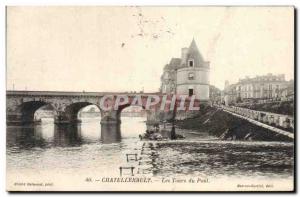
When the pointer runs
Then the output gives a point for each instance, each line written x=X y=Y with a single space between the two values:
x=193 y=53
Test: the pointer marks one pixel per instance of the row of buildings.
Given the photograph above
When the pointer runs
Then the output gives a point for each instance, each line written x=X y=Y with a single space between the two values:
x=265 y=87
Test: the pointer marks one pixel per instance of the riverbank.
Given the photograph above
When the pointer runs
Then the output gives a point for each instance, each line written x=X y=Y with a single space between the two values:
x=228 y=127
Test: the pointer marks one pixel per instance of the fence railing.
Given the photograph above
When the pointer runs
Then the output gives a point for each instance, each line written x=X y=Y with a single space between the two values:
x=277 y=120
x=266 y=101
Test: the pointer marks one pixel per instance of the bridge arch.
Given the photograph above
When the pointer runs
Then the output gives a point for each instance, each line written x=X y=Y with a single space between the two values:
x=122 y=107
x=72 y=110
x=24 y=113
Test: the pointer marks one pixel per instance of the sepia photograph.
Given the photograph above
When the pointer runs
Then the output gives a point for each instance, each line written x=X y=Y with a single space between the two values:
x=150 y=98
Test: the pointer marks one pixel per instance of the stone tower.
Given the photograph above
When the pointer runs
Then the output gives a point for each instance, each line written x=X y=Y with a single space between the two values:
x=193 y=74
x=188 y=75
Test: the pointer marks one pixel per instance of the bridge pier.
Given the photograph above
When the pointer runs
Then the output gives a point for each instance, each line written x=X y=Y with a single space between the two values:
x=110 y=122
x=110 y=132
x=61 y=118
x=18 y=119
x=64 y=121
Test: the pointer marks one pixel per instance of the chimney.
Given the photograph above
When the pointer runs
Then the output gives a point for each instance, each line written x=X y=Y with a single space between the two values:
x=184 y=52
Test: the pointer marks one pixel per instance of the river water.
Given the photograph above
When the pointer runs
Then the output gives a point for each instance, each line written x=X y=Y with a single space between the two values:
x=46 y=150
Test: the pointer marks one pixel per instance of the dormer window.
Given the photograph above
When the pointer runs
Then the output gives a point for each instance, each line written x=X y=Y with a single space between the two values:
x=191 y=63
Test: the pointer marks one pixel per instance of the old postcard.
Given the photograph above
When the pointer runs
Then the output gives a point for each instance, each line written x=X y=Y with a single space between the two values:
x=150 y=98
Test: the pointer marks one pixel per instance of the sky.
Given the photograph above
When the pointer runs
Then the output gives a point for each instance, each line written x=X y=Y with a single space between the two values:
x=125 y=48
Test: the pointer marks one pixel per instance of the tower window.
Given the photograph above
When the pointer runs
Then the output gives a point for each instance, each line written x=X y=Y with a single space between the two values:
x=191 y=63
x=191 y=91
x=191 y=76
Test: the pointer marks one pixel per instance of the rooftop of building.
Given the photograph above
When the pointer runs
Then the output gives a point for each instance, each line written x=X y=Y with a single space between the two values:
x=192 y=53
x=267 y=77
x=174 y=63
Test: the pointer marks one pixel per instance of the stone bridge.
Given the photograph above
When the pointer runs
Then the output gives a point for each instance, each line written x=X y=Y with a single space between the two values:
x=22 y=105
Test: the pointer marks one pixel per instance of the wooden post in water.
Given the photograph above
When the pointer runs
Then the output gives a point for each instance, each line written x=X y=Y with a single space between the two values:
x=126 y=168
x=128 y=159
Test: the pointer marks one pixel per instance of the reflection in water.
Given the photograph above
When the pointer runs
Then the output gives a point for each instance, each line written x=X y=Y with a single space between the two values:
x=49 y=134
x=67 y=135
x=43 y=136
x=82 y=148
x=110 y=133
x=25 y=138
x=95 y=148
x=46 y=134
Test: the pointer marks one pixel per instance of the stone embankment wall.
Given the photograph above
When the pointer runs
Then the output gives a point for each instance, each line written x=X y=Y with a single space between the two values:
x=278 y=120
x=226 y=126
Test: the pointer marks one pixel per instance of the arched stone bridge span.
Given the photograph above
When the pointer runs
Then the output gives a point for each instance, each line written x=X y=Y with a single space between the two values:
x=21 y=105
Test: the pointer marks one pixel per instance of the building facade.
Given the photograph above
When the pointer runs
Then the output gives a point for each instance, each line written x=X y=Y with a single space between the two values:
x=287 y=93
x=214 y=95
x=260 y=87
x=188 y=75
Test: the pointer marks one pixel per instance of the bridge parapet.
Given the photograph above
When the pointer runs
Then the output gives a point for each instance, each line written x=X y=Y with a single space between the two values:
x=72 y=94
x=278 y=120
